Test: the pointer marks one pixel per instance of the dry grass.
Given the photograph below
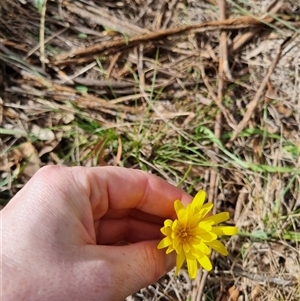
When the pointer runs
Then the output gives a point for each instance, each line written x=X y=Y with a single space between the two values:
x=205 y=94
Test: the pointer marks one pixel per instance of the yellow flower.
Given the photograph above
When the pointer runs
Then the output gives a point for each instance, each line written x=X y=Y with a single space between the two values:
x=194 y=233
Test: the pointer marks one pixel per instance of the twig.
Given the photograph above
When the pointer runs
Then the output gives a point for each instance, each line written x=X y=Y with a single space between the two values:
x=13 y=59
x=243 y=194
x=171 y=7
x=101 y=17
x=1 y=107
x=202 y=276
x=78 y=73
x=87 y=54
x=157 y=22
x=259 y=278
x=224 y=66
x=34 y=49
x=223 y=70
x=81 y=100
x=112 y=64
x=254 y=103
x=228 y=116
x=241 y=40
x=119 y=152
x=42 y=35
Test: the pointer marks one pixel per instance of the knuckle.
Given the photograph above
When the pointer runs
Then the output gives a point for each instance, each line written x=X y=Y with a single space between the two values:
x=47 y=177
x=49 y=171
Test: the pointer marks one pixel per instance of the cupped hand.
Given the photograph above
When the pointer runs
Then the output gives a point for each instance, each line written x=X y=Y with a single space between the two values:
x=85 y=234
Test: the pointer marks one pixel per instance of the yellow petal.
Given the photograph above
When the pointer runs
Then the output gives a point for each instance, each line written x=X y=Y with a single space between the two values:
x=175 y=224
x=168 y=223
x=218 y=246
x=166 y=231
x=205 y=226
x=179 y=262
x=164 y=243
x=178 y=206
x=203 y=248
x=199 y=250
x=192 y=268
x=196 y=232
x=194 y=220
x=186 y=247
x=199 y=199
x=205 y=262
x=170 y=249
x=208 y=236
x=224 y=230
x=176 y=242
x=205 y=209
x=218 y=218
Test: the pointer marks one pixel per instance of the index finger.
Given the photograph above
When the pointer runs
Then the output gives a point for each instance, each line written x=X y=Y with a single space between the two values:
x=120 y=188
x=97 y=190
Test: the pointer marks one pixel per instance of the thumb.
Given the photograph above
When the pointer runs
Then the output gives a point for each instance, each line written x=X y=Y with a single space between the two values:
x=137 y=265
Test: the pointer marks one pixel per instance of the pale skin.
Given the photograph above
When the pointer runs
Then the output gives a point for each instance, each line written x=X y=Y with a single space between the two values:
x=85 y=234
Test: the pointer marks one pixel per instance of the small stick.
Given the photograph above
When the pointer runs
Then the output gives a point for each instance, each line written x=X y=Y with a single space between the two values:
x=224 y=66
x=254 y=103
x=42 y=35
x=89 y=52
x=241 y=40
x=223 y=69
x=259 y=278
x=228 y=116
x=201 y=285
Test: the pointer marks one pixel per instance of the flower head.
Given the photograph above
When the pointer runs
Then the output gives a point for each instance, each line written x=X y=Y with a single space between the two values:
x=194 y=233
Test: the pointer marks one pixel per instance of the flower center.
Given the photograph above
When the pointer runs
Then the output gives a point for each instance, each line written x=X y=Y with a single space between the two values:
x=184 y=233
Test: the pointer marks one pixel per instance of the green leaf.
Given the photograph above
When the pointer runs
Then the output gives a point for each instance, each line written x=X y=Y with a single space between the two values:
x=82 y=89
x=39 y=4
x=82 y=35
x=12 y=132
x=260 y=234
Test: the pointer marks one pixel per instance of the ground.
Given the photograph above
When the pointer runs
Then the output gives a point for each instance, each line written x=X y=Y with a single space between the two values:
x=205 y=94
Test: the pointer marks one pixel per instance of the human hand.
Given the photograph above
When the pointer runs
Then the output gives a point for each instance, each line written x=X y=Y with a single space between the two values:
x=60 y=234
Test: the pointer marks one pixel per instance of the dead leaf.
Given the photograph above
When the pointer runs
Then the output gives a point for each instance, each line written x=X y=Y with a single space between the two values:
x=10 y=113
x=68 y=118
x=233 y=293
x=29 y=153
x=257 y=150
x=1 y=103
x=256 y=292
x=6 y=166
x=119 y=153
x=283 y=110
x=42 y=133
x=10 y=159
x=48 y=147
x=99 y=152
